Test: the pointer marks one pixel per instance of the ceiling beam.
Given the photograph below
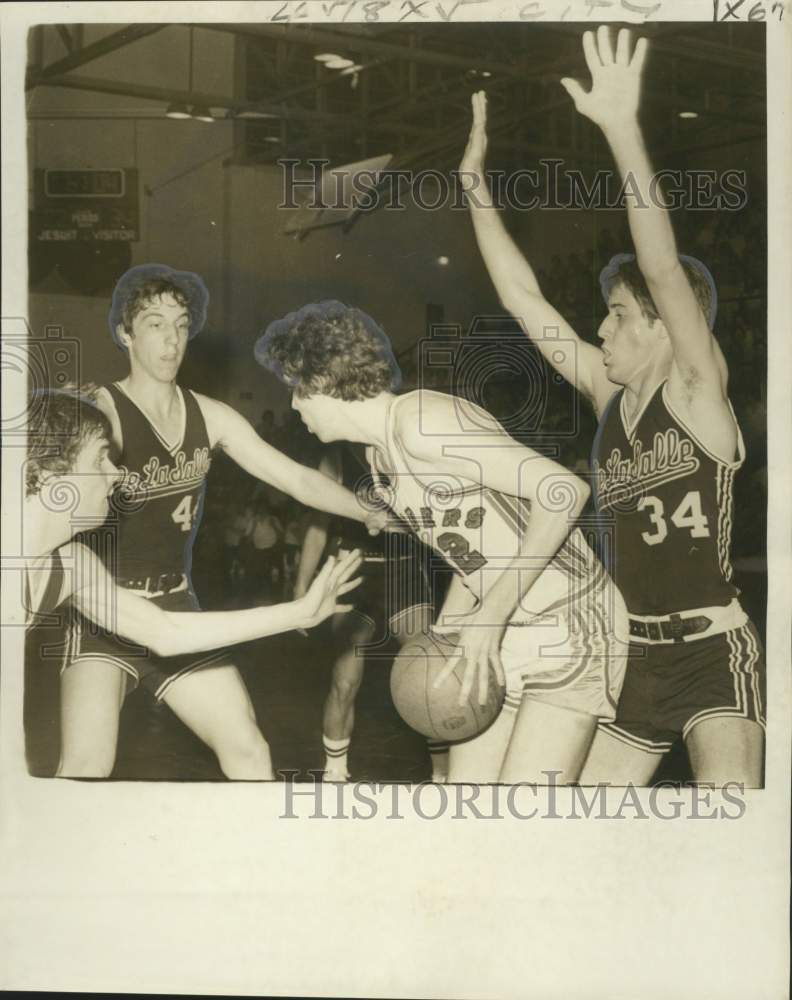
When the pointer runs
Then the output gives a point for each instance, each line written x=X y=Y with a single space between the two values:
x=712 y=52
x=65 y=37
x=697 y=50
x=680 y=103
x=331 y=78
x=167 y=95
x=302 y=35
x=110 y=43
x=677 y=150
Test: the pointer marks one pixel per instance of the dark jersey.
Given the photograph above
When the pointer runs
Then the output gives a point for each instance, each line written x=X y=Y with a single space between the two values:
x=665 y=505
x=158 y=501
x=44 y=581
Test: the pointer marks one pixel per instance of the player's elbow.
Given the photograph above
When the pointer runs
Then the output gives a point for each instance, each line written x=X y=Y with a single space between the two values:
x=570 y=497
x=581 y=492
x=584 y=492
x=521 y=302
x=166 y=639
x=660 y=267
x=507 y=294
x=162 y=645
x=561 y=501
x=153 y=630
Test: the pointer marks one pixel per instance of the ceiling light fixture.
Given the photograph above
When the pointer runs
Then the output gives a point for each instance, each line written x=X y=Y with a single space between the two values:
x=176 y=109
x=688 y=114
x=252 y=113
x=339 y=63
x=201 y=113
x=346 y=67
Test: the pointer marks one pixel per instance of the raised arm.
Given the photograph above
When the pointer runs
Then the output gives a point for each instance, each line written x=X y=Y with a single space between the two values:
x=579 y=362
x=231 y=432
x=501 y=464
x=612 y=103
x=169 y=633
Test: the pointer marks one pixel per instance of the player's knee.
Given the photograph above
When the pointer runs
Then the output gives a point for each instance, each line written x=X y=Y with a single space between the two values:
x=246 y=755
x=345 y=689
x=86 y=764
x=726 y=750
x=745 y=772
x=472 y=773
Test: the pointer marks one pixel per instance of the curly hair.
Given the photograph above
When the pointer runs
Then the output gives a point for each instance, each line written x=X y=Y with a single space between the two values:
x=140 y=285
x=623 y=270
x=329 y=349
x=60 y=422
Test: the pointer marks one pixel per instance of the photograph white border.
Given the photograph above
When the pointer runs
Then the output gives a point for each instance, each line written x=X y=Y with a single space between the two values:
x=205 y=888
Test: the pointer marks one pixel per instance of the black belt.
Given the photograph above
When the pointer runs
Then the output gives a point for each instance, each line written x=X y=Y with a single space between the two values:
x=163 y=583
x=372 y=555
x=674 y=628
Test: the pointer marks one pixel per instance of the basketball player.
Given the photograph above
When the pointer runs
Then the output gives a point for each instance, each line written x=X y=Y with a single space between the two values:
x=395 y=596
x=665 y=454
x=529 y=599
x=69 y=479
x=163 y=437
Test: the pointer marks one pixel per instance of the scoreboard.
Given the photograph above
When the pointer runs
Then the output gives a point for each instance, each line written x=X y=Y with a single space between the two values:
x=85 y=205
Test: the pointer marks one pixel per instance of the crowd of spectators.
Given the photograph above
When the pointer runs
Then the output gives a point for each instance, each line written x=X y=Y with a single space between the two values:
x=249 y=542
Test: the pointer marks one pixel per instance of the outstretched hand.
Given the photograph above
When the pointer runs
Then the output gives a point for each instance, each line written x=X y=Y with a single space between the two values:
x=472 y=165
x=615 y=79
x=332 y=582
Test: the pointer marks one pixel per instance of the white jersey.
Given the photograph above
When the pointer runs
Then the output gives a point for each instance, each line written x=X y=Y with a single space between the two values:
x=478 y=531
x=573 y=655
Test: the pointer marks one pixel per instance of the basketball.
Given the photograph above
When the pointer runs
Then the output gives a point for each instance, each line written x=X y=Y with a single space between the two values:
x=436 y=712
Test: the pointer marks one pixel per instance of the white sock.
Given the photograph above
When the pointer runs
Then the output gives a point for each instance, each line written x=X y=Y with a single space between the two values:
x=439 y=753
x=336 y=756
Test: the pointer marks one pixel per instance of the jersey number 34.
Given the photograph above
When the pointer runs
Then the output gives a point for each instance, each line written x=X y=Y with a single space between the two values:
x=687 y=515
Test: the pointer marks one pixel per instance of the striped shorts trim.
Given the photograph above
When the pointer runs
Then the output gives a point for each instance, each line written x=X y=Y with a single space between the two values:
x=648 y=746
x=213 y=659
x=74 y=652
x=669 y=690
x=745 y=655
x=156 y=673
x=577 y=663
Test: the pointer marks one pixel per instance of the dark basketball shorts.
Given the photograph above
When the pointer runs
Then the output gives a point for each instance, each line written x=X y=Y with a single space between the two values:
x=670 y=688
x=87 y=641
x=394 y=594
